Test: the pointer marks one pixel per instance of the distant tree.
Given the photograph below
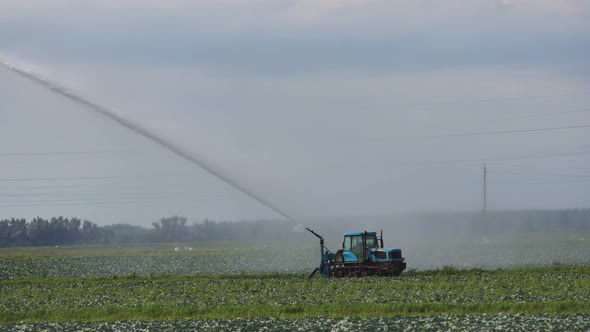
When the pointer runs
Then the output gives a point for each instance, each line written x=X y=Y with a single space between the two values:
x=18 y=232
x=90 y=232
x=172 y=229
x=209 y=230
x=126 y=234
x=38 y=232
x=58 y=229
x=4 y=233
x=73 y=232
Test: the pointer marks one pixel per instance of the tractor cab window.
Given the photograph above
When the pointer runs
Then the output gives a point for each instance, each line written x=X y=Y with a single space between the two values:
x=357 y=242
x=353 y=242
x=372 y=241
x=347 y=244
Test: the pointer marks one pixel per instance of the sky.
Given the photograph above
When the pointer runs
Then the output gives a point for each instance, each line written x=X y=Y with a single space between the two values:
x=322 y=108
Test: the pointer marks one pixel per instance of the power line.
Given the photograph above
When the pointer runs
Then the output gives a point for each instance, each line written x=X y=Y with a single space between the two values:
x=511 y=131
x=80 y=178
x=92 y=203
x=544 y=174
x=108 y=199
x=564 y=180
x=549 y=114
x=492 y=99
x=50 y=193
x=535 y=156
x=495 y=99
x=51 y=161
x=110 y=194
x=76 y=204
x=96 y=185
x=507 y=157
x=19 y=154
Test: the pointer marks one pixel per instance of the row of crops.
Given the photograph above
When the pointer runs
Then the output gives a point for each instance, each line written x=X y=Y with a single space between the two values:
x=275 y=258
x=501 y=322
x=545 y=290
x=216 y=263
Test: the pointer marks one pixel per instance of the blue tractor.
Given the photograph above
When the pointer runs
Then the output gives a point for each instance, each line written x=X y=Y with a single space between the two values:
x=362 y=254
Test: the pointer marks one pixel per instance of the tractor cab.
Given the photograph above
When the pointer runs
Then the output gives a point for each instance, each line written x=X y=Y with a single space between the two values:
x=357 y=245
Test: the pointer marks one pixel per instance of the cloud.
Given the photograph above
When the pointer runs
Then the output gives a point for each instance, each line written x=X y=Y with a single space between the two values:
x=284 y=37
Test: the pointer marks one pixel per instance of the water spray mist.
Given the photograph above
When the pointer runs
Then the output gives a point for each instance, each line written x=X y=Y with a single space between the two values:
x=138 y=129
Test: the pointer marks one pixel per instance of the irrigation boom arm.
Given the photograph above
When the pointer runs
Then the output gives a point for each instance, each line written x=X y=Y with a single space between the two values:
x=316 y=234
x=325 y=257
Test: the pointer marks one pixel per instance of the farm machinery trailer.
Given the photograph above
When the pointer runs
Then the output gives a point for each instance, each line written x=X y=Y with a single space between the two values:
x=362 y=254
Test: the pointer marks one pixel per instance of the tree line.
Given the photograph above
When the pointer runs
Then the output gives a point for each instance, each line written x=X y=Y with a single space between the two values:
x=72 y=231
x=60 y=231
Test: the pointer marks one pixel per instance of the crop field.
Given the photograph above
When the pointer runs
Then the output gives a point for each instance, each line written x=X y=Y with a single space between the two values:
x=253 y=286
x=500 y=322
x=237 y=258
x=91 y=262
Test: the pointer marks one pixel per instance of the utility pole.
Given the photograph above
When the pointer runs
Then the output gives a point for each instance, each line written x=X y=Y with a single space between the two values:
x=485 y=198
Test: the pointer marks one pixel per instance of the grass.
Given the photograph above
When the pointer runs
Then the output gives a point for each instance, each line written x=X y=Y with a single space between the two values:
x=111 y=314
x=448 y=291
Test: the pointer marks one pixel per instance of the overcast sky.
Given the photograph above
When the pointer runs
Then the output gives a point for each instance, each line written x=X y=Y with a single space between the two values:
x=320 y=107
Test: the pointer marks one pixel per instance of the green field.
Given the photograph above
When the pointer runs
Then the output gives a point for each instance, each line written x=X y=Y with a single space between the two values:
x=248 y=286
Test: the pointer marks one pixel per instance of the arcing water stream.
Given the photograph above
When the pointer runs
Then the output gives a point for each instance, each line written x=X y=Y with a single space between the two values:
x=138 y=129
